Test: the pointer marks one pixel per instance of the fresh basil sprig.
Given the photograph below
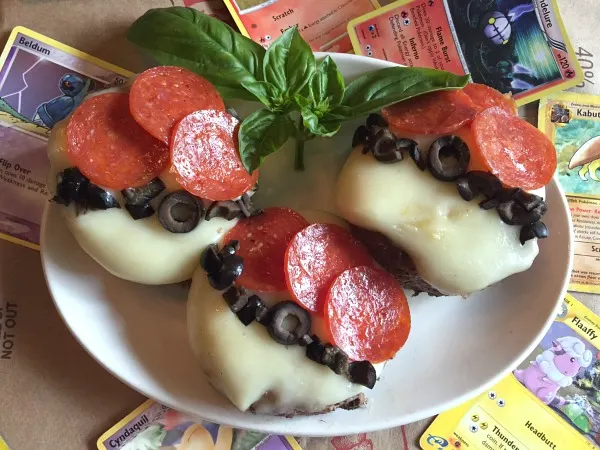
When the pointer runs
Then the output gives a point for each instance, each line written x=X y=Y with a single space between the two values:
x=285 y=78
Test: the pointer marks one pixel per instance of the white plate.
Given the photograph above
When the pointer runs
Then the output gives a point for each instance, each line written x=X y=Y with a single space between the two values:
x=457 y=348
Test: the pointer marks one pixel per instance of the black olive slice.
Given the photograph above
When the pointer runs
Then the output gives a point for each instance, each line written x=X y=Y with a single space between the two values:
x=210 y=260
x=362 y=372
x=533 y=230
x=484 y=183
x=227 y=210
x=507 y=194
x=464 y=189
x=448 y=158
x=245 y=205
x=315 y=350
x=527 y=200
x=180 y=212
x=329 y=355
x=236 y=298
x=489 y=204
x=341 y=363
x=360 y=137
x=70 y=183
x=255 y=310
x=73 y=187
x=73 y=174
x=385 y=148
x=139 y=211
x=376 y=120
x=233 y=267
x=143 y=194
x=232 y=263
x=414 y=152
x=98 y=198
x=262 y=314
x=221 y=280
x=512 y=213
x=231 y=248
x=305 y=340
x=279 y=327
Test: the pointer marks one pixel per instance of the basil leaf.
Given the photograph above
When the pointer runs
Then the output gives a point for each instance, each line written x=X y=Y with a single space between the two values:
x=302 y=101
x=313 y=125
x=268 y=94
x=311 y=119
x=327 y=85
x=262 y=133
x=375 y=90
x=185 y=37
x=289 y=63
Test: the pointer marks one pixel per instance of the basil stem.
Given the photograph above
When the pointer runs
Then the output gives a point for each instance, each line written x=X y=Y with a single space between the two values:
x=299 y=159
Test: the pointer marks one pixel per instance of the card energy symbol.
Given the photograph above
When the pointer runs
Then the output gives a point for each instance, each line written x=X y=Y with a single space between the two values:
x=437 y=440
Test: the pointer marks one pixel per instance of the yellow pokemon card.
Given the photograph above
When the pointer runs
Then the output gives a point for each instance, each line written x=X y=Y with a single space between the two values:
x=519 y=47
x=153 y=426
x=572 y=122
x=551 y=401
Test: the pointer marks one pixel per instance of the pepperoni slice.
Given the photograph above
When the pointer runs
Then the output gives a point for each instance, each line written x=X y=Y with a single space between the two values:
x=367 y=314
x=205 y=158
x=515 y=151
x=109 y=147
x=315 y=256
x=162 y=96
x=435 y=113
x=263 y=240
x=484 y=97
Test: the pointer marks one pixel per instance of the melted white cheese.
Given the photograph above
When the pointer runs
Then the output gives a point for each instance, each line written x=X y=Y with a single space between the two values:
x=249 y=367
x=457 y=247
x=142 y=250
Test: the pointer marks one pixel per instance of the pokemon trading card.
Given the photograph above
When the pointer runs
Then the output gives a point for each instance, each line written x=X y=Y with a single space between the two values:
x=550 y=401
x=213 y=8
x=572 y=122
x=153 y=426
x=321 y=23
x=516 y=46
x=41 y=82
